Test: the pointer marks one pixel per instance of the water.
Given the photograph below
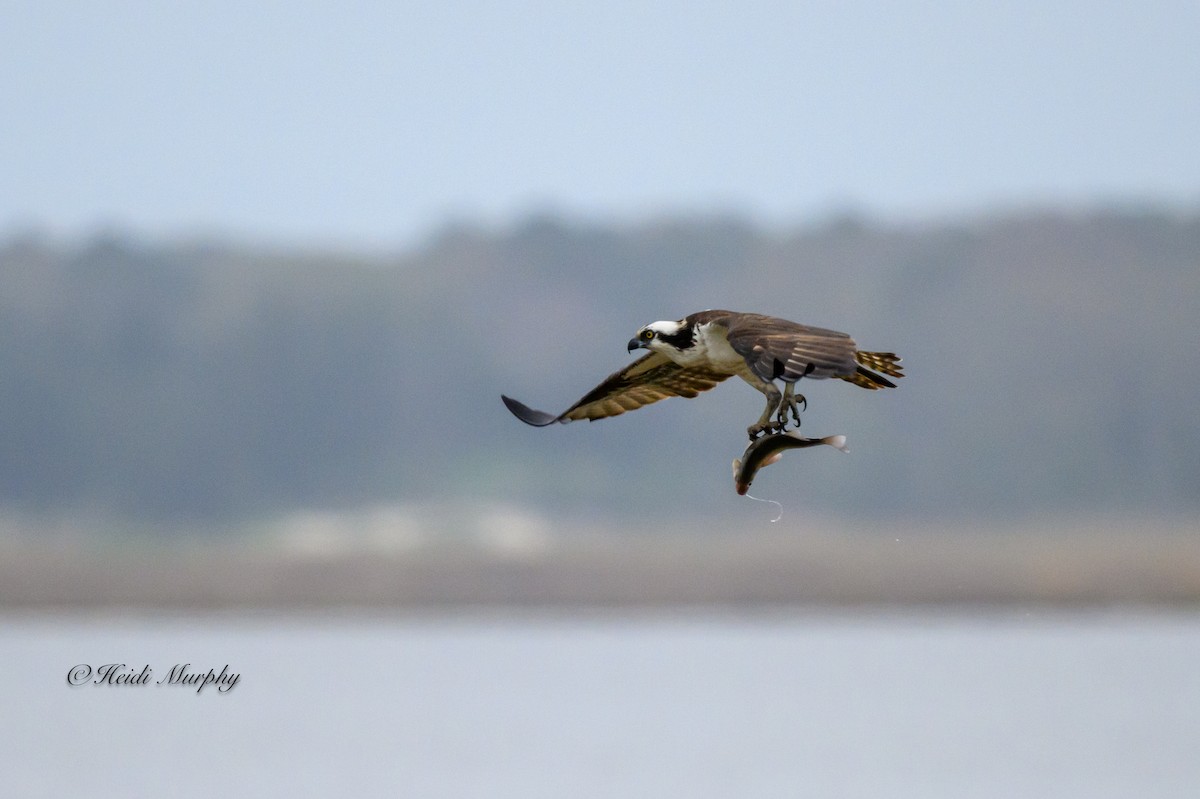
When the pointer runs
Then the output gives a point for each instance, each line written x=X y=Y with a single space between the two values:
x=930 y=705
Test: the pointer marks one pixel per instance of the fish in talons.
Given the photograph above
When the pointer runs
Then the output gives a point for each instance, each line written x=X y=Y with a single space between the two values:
x=769 y=448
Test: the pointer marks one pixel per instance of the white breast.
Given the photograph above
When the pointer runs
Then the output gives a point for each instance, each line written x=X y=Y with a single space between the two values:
x=711 y=341
x=712 y=351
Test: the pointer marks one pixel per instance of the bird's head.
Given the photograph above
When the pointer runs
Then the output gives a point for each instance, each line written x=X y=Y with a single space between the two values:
x=662 y=336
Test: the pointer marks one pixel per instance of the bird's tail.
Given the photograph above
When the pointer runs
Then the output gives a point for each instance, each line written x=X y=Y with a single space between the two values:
x=886 y=362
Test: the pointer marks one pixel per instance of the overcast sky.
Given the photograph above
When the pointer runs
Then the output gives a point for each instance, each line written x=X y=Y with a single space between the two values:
x=371 y=124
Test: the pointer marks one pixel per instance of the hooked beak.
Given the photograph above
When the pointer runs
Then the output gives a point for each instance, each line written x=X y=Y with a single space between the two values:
x=635 y=344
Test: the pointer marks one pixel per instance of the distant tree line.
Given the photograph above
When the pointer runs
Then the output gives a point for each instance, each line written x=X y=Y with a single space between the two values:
x=1051 y=360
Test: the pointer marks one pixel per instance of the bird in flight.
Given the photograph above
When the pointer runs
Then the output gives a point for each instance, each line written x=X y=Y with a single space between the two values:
x=695 y=353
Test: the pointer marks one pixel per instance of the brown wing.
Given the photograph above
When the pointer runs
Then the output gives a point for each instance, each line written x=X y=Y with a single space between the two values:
x=648 y=379
x=778 y=349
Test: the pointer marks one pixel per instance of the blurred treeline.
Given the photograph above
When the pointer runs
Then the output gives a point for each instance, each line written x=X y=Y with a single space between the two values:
x=1053 y=365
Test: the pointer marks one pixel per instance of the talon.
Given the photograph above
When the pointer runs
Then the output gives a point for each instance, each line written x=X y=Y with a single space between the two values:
x=795 y=407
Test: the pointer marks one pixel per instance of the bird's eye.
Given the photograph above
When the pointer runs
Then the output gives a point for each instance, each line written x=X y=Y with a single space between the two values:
x=647 y=335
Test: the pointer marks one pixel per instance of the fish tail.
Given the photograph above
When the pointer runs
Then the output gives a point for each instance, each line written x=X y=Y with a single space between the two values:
x=837 y=442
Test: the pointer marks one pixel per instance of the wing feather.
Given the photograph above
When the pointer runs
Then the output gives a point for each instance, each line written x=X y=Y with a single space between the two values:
x=776 y=348
x=647 y=380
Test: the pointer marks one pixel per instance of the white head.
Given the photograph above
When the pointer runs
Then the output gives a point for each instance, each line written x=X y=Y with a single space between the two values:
x=660 y=336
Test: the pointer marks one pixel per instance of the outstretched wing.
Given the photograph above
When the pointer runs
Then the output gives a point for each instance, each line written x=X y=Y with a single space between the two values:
x=778 y=349
x=648 y=379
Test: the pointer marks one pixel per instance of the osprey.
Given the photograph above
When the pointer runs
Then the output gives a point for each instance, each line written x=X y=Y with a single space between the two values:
x=695 y=353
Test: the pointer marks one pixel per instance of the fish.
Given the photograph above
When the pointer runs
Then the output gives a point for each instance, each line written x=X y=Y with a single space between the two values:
x=768 y=449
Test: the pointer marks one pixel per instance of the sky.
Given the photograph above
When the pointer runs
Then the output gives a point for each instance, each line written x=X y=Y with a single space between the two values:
x=374 y=124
